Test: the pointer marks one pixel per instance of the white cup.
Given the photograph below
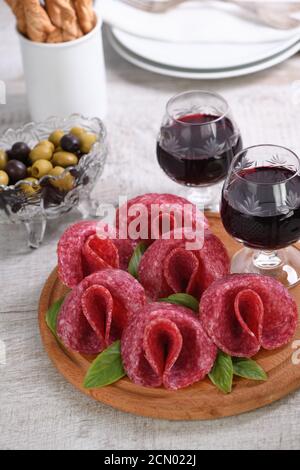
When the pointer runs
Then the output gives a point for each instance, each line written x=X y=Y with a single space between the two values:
x=65 y=78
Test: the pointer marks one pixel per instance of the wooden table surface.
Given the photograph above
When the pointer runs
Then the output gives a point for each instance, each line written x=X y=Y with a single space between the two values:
x=39 y=409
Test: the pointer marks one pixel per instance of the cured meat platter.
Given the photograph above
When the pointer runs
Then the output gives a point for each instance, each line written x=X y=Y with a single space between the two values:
x=201 y=400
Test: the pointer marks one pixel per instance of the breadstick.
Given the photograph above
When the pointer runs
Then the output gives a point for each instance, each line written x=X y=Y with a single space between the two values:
x=63 y=16
x=68 y=37
x=56 y=36
x=86 y=15
x=38 y=22
x=18 y=10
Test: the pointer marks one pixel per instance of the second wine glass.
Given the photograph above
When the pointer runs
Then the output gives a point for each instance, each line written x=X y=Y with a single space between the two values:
x=197 y=142
x=261 y=208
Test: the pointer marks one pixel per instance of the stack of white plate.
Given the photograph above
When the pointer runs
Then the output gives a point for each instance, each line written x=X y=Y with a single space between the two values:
x=198 y=40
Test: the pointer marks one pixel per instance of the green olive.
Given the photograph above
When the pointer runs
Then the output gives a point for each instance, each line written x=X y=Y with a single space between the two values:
x=87 y=140
x=64 y=159
x=47 y=143
x=56 y=171
x=4 y=179
x=32 y=188
x=55 y=137
x=41 y=168
x=29 y=171
x=77 y=131
x=3 y=159
x=64 y=184
x=42 y=151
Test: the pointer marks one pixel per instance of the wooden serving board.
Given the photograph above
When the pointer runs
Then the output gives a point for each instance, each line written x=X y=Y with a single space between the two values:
x=199 y=401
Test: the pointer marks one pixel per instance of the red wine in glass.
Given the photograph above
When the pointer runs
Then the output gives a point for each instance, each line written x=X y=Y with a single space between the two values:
x=197 y=149
x=260 y=208
x=262 y=220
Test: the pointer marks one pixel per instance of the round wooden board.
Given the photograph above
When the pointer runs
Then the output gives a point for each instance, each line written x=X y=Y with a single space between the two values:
x=200 y=401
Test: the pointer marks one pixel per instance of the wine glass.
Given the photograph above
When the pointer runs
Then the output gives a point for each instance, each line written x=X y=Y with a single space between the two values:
x=261 y=208
x=197 y=141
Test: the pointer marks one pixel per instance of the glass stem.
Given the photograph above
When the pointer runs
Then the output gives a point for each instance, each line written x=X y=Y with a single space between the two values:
x=88 y=206
x=266 y=259
x=207 y=197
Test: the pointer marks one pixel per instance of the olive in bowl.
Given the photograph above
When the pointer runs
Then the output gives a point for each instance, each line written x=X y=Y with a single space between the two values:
x=70 y=143
x=30 y=186
x=64 y=180
x=55 y=137
x=42 y=151
x=3 y=159
x=16 y=171
x=4 y=179
x=19 y=151
x=65 y=159
x=52 y=180
x=41 y=168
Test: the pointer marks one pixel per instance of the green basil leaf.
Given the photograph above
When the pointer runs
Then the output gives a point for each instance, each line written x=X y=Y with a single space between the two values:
x=106 y=369
x=52 y=314
x=136 y=257
x=183 y=299
x=248 y=369
x=221 y=374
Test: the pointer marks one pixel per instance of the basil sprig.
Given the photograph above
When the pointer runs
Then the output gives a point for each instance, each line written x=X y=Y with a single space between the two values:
x=186 y=300
x=225 y=367
x=52 y=315
x=221 y=374
x=106 y=369
x=248 y=369
x=133 y=266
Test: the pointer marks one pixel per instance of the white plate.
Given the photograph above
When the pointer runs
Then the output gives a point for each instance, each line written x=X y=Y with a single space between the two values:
x=196 y=35
x=198 y=74
x=201 y=56
x=194 y=21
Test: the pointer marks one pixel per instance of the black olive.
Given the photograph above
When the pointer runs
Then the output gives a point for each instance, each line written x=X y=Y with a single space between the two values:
x=19 y=151
x=16 y=171
x=70 y=143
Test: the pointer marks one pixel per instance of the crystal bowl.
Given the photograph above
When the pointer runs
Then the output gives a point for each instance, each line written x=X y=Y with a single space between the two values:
x=49 y=202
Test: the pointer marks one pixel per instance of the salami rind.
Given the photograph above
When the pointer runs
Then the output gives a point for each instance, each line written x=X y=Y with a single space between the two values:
x=82 y=252
x=165 y=201
x=97 y=310
x=244 y=312
x=165 y=345
x=168 y=267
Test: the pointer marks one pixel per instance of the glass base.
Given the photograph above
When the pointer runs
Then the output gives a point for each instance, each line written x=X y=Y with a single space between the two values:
x=206 y=197
x=36 y=228
x=88 y=206
x=283 y=265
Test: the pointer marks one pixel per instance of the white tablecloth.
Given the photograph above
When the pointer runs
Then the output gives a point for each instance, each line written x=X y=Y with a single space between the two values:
x=39 y=409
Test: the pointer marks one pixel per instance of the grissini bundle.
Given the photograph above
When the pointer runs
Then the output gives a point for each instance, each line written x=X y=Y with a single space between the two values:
x=53 y=21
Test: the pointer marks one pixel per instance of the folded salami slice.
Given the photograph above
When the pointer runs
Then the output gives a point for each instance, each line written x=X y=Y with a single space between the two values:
x=244 y=312
x=168 y=267
x=147 y=215
x=95 y=313
x=165 y=344
x=82 y=251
